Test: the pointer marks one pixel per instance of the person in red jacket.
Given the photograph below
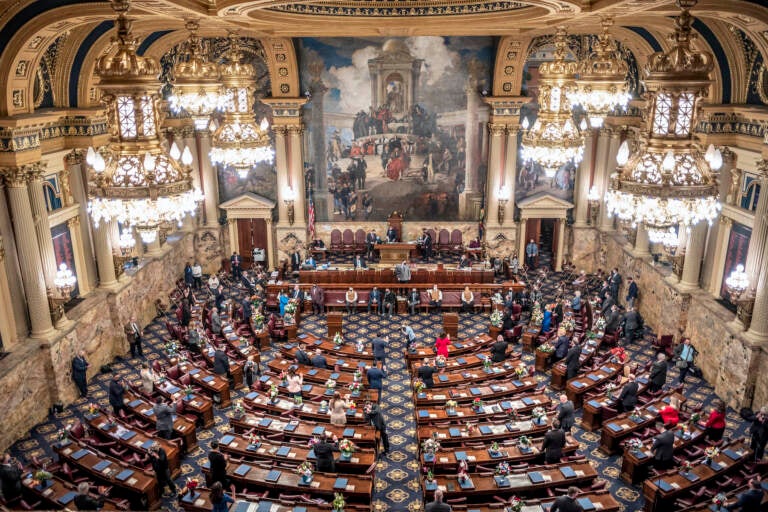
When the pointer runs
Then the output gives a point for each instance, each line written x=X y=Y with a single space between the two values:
x=715 y=424
x=441 y=344
x=669 y=413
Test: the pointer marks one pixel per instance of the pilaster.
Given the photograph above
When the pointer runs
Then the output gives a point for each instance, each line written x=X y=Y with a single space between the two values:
x=78 y=251
x=42 y=226
x=584 y=181
x=209 y=180
x=689 y=281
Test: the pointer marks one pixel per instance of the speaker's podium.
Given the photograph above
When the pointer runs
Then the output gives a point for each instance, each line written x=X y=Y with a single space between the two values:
x=451 y=324
x=334 y=320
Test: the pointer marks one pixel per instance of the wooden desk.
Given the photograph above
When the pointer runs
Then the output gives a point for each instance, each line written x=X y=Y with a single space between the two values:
x=578 y=387
x=624 y=425
x=484 y=432
x=235 y=368
x=309 y=391
x=134 y=439
x=60 y=493
x=657 y=498
x=635 y=465
x=238 y=446
x=202 y=503
x=465 y=362
x=529 y=338
x=140 y=488
x=461 y=347
x=423 y=276
x=331 y=352
x=200 y=406
x=519 y=484
x=559 y=370
x=466 y=394
x=593 y=414
x=308 y=410
x=475 y=376
x=395 y=253
x=343 y=377
x=182 y=427
x=215 y=385
x=363 y=436
x=439 y=413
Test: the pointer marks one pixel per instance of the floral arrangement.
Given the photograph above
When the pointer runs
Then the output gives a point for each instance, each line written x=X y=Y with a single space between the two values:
x=471 y=428
x=239 y=409
x=283 y=378
x=290 y=308
x=711 y=452
x=273 y=392
x=359 y=346
x=430 y=475
x=258 y=319
x=635 y=444
x=477 y=403
x=497 y=298
x=338 y=502
x=539 y=414
x=92 y=409
x=719 y=499
x=515 y=504
x=298 y=400
x=537 y=317
x=324 y=405
x=346 y=446
x=463 y=473
x=695 y=417
x=419 y=386
x=304 y=470
x=313 y=441
x=440 y=361
x=451 y=404
x=63 y=433
x=338 y=340
x=495 y=447
x=189 y=391
x=521 y=371
x=487 y=363
x=686 y=466
x=502 y=468
x=546 y=348
x=253 y=439
x=496 y=318
x=171 y=348
x=524 y=442
x=609 y=389
x=330 y=384
x=192 y=483
x=358 y=375
x=430 y=446
x=352 y=406
x=355 y=386
x=42 y=475
x=599 y=324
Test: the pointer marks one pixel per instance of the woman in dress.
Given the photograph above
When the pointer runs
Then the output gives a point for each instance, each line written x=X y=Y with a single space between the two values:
x=219 y=499
x=147 y=379
x=338 y=409
x=294 y=381
x=670 y=413
x=441 y=344
x=715 y=424
x=282 y=300
x=546 y=324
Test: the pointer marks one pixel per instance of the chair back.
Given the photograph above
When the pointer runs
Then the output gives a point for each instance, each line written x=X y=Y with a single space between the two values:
x=456 y=237
x=444 y=238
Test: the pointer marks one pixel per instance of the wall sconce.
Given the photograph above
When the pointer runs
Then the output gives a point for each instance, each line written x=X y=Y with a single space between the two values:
x=289 y=197
x=503 y=197
x=593 y=199
x=737 y=286
x=64 y=283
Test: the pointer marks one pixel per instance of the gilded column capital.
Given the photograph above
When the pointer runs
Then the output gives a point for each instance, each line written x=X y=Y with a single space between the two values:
x=187 y=132
x=73 y=223
x=295 y=129
x=280 y=130
x=74 y=157
x=726 y=221
x=728 y=155
x=19 y=176
x=497 y=129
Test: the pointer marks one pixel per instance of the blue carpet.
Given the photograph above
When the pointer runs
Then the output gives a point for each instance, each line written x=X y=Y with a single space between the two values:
x=397 y=486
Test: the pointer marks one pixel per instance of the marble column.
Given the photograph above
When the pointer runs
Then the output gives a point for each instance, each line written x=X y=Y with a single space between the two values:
x=271 y=244
x=758 y=328
x=42 y=228
x=154 y=249
x=234 y=242
x=189 y=140
x=7 y=320
x=10 y=266
x=522 y=240
x=73 y=162
x=609 y=166
x=296 y=173
x=496 y=175
x=104 y=259
x=560 y=245
x=720 y=254
x=281 y=167
x=583 y=182
x=642 y=243
x=323 y=201
x=28 y=248
x=210 y=181
x=689 y=281
x=470 y=194
x=510 y=164
x=757 y=241
x=709 y=274
x=78 y=251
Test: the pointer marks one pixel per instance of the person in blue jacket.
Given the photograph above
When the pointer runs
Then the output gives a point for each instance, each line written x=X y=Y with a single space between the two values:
x=546 y=324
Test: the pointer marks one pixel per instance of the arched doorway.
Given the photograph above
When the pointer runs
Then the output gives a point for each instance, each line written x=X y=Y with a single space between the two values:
x=249 y=223
x=542 y=219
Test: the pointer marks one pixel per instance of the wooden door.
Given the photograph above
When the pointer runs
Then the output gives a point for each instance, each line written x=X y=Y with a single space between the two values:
x=252 y=233
x=555 y=235
x=533 y=231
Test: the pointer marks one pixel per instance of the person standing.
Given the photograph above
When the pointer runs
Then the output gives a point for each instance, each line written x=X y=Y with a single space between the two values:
x=663 y=449
x=379 y=348
x=337 y=408
x=79 y=373
x=531 y=252
x=684 y=356
x=215 y=321
x=235 y=261
x=250 y=370
x=658 y=374
x=615 y=283
x=632 y=292
x=414 y=299
x=758 y=432
x=159 y=460
x=437 y=504
x=633 y=325
x=427 y=245
x=217 y=462
x=221 y=362
x=750 y=500
x=410 y=336
x=566 y=413
x=117 y=395
x=715 y=424
x=148 y=378
x=133 y=333
x=553 y=444
x=219 y=499
x=318 y=300
x=567 y=503
x=324 y=453
x=426 y=373
x=294 y=381
x=197 y=275
x=403 y=272
x=572 y=362
x=370 y=243
x=163 y=418
x=561 y=345
x=374 y=416
x=628 y=397
x=375 y=378
x=10 y=478
x=441 y=344
x=499 y=349
x=189 y=280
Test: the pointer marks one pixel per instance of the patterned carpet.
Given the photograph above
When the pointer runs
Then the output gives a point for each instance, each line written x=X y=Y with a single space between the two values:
x=397 y=486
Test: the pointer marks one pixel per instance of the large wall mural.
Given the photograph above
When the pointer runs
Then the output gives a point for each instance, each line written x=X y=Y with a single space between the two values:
x=396 y=124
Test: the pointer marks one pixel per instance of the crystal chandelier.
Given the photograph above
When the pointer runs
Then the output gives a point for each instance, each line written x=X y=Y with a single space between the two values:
x=602 y=83
x=133 y=179
x=668 y=181
x=239 y=142
x=195 y=82
x=554 y=140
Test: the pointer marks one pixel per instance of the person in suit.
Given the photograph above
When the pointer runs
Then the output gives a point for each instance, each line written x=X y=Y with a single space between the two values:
x=117 y=395
x=10 y=478
x=221 y=362
x=217 y=461
x=215 y=321
x=84 y=500
x=628 y=398
x=467 y=300
x=159 y=460
x=576 y=301
x=250 y=370
x=572 y=361
x=685 y=353
x=295 y=260
x=324 y=452
x=297 y=296
x=607 y=304
x=632 y=292
x=374 y=416
x=197 y=275
x=566 y=413
x=561 y=345
x=219 y=297
x=531 y=252
x=318 y=360
x=403 y=272
x=408 y=333
x=427 y=245
x=557 y=312
x=658 y=374
x=134 y=334
x=554 y=442
x=370 y=242
x=310 y=263
x=374 y=299
x=301 y=355
x=437 y=504
x=414 y=299
x=79 y=373
x=568 y=502
x=379 y=348
x=189 y=280
x=359 y=262
x=350 y=300
x=663 y=449
x=615 y=283
x=758 y=432
x=375 y=377
x=391 y=234
x=235 y=262
x=436 y=299
x=317 y=294
x=389 y=303
x=633 y=325
x=464 y=262
x=613 y=320
x=750 y=500
x=499 y=349
x=163 y=418
x=426 y=373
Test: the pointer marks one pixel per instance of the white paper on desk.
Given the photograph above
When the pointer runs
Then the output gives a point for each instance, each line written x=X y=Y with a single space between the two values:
x=199 y=502
x=443 y=459
x=350 y=488
x=438 y=397
x=441 y=435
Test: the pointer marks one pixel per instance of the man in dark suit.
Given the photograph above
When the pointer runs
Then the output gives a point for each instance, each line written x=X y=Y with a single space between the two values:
x=324 y=452
x=561 y=345
x=615 y=283
x=427 y=245
x=437 y=505
x=464 y=262
x=389 y=303
x=379 y=348
x=295 y=260
x=247 y=311
x=566 y=413
x=235 y=261
x=159 y=460
x=554 y=442
x=217 y=461
x=391 y=234
x=374 y=299
x=163 y=418
x=658 y=373
x=374 y=416
x=426 y=373
x=414 y=299
x=133 y=333
x=84 y=500
x=568 y=502
x=301 y=355
x=359 y=262
x=613 y=320
x=297 y=296
x=117 y=395
x=605 y=289
x=633 y=324
x=221 y=362
x=370 y=242
x=318 y=360
x=318 y=300
x=10 y=478
x=632 y=292
x=751 y=499
x=663 y=449
x=607 y=304
x=499 y=350
x=628 y=398
x=79 y=373
x=219 y=297
x=215 y=321
x=572 y=361
x=375 y=377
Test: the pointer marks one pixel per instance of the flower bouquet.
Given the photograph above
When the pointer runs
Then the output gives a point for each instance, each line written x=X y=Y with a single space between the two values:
x=283 y=378
x=313 y=441
x=539 y=415
x=463 y=473
x=430 y=447
x=494 y=447
x=487 y=363
x=525 y=444
x=599 y=325
x=305 y=472
x=430 y=476
x=440 y=361
x=189 y=391
x=355 y=387
x=521 y=371
x=92 y=409
x=338 y=503
x=358 y=375
x=258 y=320
x=338 y=340
x=63 y=434
x=273 y=393
x=496 y=318
x=609 y=389
x=253 y=440
x=239 y=410
x=41 y=477
x=330 y=384
x=695 y=417
x=537 y=317
x=719 y=500
x=324 y=406
x=290 y=308
x=515 y=505
x=502 y=468
x=192 y=484
x=686 y=466
x=450 y=405
x=419 y=386
x=346 y=447
x=546 y=348
x=171 y=348
x=298 y=401
x=477 y=404
x=567 y=323
x=635 y=445
x=710 y=453
x=359 y=346
x=471 y=428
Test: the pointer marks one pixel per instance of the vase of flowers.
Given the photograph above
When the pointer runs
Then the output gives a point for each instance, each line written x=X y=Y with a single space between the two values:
x=42 y=478
x=338 y=340
x=298 y=401
x=710 y=453
x=635 y=445
x=305 y=472
x=487 y=363
x=238 y=410
x=192 y=484
x=524 y=443
x=430 y=447
x=521 y=371
x=546 y=348
x=330 y=384
x=496 y=318
x=253 y=440
x=719 y=500
x=450 y=406
x=515 y=505
x=283 y=378
x=419 y=386
x=338 y=502
x=567 y=323
x=358 y=375
x=539 y=415
x=355 y=387
x=599 y=325
x=323 y=406
x=430 y=476
x=477 y=405
x=258 y=321
x=359 y=346
x=686 y=466
x=92 y=409
x=188 y=392
x=273 y=393
x=346 y=447
x=537 y=317
x=502 y=468
x=609 y=389
x=440 y=361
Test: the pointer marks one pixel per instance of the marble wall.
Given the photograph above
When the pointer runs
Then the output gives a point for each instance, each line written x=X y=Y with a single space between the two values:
x=36 y=375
